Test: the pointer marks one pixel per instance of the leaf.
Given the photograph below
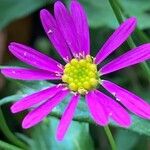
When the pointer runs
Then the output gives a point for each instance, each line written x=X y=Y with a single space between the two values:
x=13 y=9
x=139 y=125
x=23 y=89
x=11 y=98
x=125 y=139
x=43 y=136
x=100 y=13
x=7 y=146
x=139 y=9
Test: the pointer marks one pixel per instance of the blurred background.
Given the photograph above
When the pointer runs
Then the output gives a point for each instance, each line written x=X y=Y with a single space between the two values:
x=20 y=22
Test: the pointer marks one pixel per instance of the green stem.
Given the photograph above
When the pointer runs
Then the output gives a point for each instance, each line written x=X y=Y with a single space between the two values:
x=10 y=136
x=119 y=17
x=143 y=37
x=116 y=11
x=130 y=42
x=110 y=138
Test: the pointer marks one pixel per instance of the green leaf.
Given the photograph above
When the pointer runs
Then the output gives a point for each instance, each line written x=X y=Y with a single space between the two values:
x=98 y=11
x=43 y=136
x=7 y=146
x=100 y=14
x=125 y=139
x=139 y=125
x=11 y=98
x=13 y=9
x=139 y=9
x=23 y=89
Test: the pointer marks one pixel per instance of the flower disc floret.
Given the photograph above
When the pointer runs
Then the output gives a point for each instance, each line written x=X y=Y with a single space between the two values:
x=81 y=75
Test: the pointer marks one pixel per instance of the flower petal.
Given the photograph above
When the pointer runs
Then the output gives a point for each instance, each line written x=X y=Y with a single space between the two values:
x=97 y=110
x=42 y=111
x=35 y=98
x=115 y=111
x=128 y=99
x=54 y=34
x=67 y=117
x=134 y=56
x=67 y=27
x=28 y=74
x=34 y=58
x=116 y=39
x=81 y=24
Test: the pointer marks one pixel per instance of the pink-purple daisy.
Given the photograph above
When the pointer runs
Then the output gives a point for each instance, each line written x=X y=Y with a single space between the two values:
x=68 y=31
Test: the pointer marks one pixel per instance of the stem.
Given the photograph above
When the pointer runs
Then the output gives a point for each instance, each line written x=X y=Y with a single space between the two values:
x=119 y=18
x=130 y=42
x=110 y=138
x=10 y=136
x=143 y=37
x=116 y=11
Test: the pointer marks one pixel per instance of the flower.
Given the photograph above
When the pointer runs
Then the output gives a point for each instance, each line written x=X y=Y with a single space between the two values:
x=69 y=33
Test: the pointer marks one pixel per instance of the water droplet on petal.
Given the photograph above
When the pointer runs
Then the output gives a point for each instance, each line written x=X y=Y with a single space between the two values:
x=50 y=31
x=25 y=53
x=117 y=99
x=113 y=93
x=59 y=85
x=64 y=89
x=58 y=74
x=13 y=72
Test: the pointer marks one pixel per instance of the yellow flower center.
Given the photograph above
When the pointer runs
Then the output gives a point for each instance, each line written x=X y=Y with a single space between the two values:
x=81 y=75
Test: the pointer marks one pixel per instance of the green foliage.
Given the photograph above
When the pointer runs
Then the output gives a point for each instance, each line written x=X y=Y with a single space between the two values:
x=77 y=137
x=126 y=139
x=7 y=146
x=100 y=13
x=13 y=9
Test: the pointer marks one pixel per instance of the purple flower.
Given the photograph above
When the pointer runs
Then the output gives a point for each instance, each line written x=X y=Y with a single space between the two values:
x=69 y=33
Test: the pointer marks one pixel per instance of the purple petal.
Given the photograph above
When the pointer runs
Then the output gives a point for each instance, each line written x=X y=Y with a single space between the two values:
x=128 y=99
x=35 y=98
x=67 y=27
x=28 y=74
x=54 y=34
x=81 y=24
x=97 y=110
x=42 y=111
x=116 y=39
x=34 y=58
x=67 y=117
x=134 y=56
x=114 y=110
